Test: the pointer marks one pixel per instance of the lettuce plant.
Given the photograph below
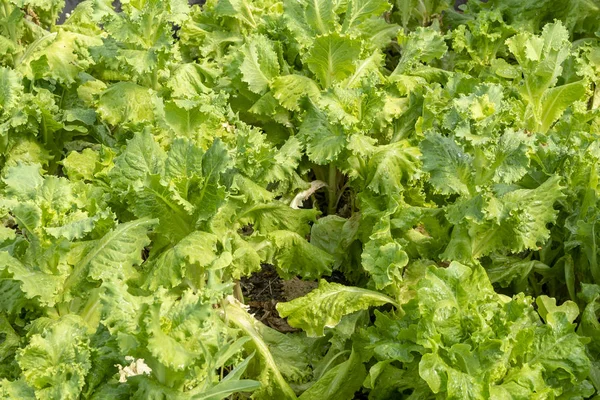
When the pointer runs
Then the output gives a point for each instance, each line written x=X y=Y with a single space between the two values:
x=434 y=168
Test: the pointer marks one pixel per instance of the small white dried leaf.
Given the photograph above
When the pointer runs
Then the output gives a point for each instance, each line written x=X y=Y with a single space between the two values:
x=305 y=194
x=137 y=367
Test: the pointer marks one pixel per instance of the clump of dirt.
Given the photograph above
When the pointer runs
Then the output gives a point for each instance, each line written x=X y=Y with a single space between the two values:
x=264 y=289
x=295 y=288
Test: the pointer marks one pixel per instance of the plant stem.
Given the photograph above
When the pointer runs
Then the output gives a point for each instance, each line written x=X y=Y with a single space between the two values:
x=237 y=292
x=332 y=183
x=63 y=309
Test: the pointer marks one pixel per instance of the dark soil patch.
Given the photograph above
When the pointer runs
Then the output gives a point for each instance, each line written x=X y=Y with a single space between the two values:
x=264 y=285
x=262 y=291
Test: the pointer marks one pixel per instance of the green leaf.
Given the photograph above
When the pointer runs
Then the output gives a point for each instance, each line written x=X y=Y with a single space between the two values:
x=113 y=255
x=187 y=81
x=212 y=193
x=340 y=382
x=231 y=383
x=81 y=166
x=57 y=56
x=293 y=255
x=512 y=160
x=11 y=91
x=289 y=90
x=227 y=388
x=361 y=10
x=23 y=181
x=449 y=166
x=57 y=360
x=384 y=262
x=260 y=65
x=126 y=103
x=174 y=328
x=422 y=45
x=324 y=140
x=273 y=383
x=556 y=100
x=326 y=305
x=238 y=9
x=16 y=390
x=335 y=235
x=392 y=167
x=559 y=349
x=34 y=283
x=332 y=57
x=518 y=220
x=268 y=217
x=171 y=266
x=547 y=305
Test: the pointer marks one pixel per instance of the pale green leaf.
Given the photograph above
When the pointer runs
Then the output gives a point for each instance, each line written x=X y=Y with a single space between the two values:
x=449 y=166
x=126 y=102
x=260 y=65
x=326 y=305
x=289 y=90
x=293 y=255
x=114 y=255
x=332 y=57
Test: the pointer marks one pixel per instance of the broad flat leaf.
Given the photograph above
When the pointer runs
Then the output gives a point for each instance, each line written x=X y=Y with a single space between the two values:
x=293 y=255
x=518 y=220
x=57 y=360
x=335 y=235
x=391 y=167
x=384 y=262
x=557 y=347
x=340 y=382
x=449 y=166
x=365 y=68
x=320 y=15
x=332 y=57
x=326 y=305
x=279 y=216
x=126 y=102
x=211 y=194
x=183 y=165
x=547 y=305
x=512 y=161
x=10 y=91
x=556 y=100
x=289 y=90
x=174 y=328
x=34 y=283
x=170 y=267
x=11 y=339
x=58 y=56
x=241 y=10
x=260 y=63
x=360 y=10
x=120 y=310
x=81 y=166
x=23 y=181
x=185 y=120
x=323 y=139
x=245 y=258
x=113 y=255
x=187 y=81
x=142 y=157
x=157 y=199
x=224 y=389
x=422 y=45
